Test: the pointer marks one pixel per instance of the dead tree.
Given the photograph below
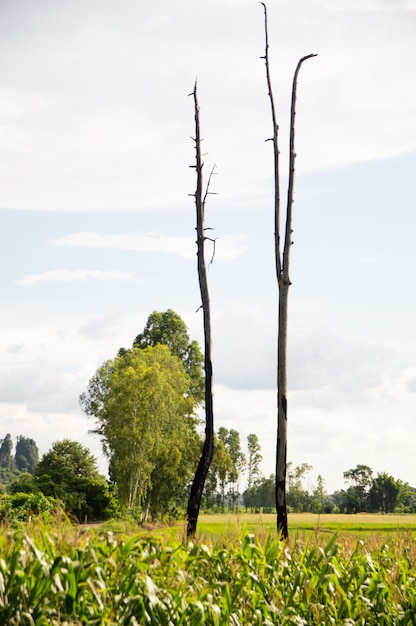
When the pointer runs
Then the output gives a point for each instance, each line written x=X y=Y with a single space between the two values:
x=198 y=483
x=283 y=281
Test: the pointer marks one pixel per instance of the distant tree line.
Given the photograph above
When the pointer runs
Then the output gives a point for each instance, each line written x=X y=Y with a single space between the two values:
x=145 y=404
x=66 y=478
x=366 y=493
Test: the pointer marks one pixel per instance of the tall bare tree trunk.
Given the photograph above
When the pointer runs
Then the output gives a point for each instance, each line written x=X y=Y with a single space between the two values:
x=197 y=488
x=283 y=281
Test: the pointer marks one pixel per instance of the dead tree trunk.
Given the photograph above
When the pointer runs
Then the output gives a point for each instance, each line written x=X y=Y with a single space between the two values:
x=198 y=484
x=283 y=281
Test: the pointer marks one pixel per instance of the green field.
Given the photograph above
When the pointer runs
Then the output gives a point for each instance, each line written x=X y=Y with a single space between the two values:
x=359 y=523
x=334 y=570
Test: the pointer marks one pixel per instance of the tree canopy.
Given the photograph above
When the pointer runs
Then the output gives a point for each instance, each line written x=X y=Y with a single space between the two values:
x=144 y=414
x=69 y=471
x=169 y=329
x=67 y=456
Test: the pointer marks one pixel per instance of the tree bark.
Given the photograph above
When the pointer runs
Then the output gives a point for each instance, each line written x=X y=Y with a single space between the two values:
x=198 y=483
x=283 y=281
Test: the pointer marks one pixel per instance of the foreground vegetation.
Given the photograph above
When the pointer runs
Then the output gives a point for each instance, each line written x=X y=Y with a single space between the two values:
x=59 y=575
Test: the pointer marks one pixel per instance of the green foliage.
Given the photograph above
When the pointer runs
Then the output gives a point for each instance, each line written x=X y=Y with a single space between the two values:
x=297 y=497
x=318 y=499
x=21 y=507
x=7 y=476
x=254 y=459
x=144 y=416
x=169 y=329
x=67 y=456
x=261 y=496
x=357 y=494
x=384 y=493
x=68 y=471
x=219 y=470
x=225 y=470
x=148 y=581
x=231 y=441
x=23 y=483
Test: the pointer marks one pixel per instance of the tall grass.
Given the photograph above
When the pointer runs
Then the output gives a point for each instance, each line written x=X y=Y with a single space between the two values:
x=51 y=578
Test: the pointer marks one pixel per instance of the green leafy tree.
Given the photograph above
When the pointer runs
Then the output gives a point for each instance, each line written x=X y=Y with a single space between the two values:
x=219 y=471
x=261 y=495
x=318 y=496
x=67 y=456
x=297 y=496
x=169 y=329
x=254 y=459
x=239 y=461
x=26 y=454
x=231 y=440
x=384 y=493
x=69 y=471
x=406 y=500
x=144 y=415
x=177 y=455
x=24 y=483
x=361 y=479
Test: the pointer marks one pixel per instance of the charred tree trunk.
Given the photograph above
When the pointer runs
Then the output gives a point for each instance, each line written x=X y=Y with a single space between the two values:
x=198 y=484
x=283 y=281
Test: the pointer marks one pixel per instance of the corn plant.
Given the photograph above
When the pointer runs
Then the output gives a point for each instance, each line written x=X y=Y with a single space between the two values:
x=104 y=579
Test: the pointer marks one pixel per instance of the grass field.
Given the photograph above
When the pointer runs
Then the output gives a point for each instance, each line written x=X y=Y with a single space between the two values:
x=361 y=522
x=376 y=529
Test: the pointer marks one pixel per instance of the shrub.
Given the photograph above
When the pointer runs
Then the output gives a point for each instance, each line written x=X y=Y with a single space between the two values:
x=21 y=507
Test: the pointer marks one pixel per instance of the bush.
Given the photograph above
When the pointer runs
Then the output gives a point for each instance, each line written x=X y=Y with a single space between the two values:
x=21 y=507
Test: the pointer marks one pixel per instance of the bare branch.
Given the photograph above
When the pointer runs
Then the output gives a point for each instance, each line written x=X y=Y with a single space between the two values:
x=291 y=183
x=275 y=140
x=208 y=184
x=213 y=241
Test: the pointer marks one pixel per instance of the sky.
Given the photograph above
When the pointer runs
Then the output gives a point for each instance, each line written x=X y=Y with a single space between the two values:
x=97 y=220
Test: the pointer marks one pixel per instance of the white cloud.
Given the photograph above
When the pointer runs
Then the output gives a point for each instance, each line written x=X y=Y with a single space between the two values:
x=100 y=327
x=127 y=147
x=369 y=5
x=15 y=348
x=45 y=428
x=70 y=276
x=327 y=366
x=244 y=347
x=66 y=344
x=227 y=246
